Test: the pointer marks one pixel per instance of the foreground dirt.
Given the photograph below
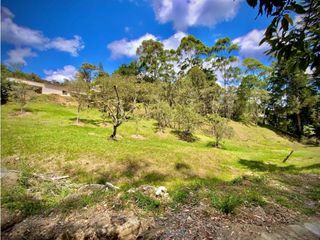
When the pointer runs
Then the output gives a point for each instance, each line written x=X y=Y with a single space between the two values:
x=189 y=222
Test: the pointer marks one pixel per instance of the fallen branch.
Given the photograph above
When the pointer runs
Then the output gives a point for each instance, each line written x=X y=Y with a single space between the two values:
x=287 y=157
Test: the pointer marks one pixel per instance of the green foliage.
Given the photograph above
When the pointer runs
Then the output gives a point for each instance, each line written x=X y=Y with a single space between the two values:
x=227 y=203
x=186 y=119
x=308 y=130
x=5 y=84
x=145 y=202
x=163 y=114
x=21 y=93
x=219 y=128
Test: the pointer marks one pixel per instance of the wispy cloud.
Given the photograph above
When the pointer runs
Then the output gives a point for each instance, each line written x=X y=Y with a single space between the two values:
x=249 y=44
x=67 y=72
x=128 y=48
x=190 y=13
x=19 y=55
x=21 y=36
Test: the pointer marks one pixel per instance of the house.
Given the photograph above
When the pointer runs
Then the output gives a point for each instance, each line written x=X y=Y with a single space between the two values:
x=44 y=87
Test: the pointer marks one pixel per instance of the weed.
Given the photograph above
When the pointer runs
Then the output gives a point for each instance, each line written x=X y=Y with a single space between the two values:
x=145 y=202
x=226 y=204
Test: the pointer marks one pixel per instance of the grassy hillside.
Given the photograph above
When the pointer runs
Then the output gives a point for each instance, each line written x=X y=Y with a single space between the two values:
x=47 y=139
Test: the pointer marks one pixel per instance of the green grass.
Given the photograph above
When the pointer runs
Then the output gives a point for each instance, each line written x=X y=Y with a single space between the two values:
x=48 y=140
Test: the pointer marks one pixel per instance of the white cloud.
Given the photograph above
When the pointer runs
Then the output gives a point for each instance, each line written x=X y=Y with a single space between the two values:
x=173 y=42
x=67 y=72
x=190 y=13
x=21 y=36
x=125 y=47
x=18 y=55
x=72 y=46
x=249 y=44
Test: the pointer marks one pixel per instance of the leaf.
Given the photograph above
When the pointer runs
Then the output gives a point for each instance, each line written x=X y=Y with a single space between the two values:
x=252 y=3
x=286 y=16
x=284 y=24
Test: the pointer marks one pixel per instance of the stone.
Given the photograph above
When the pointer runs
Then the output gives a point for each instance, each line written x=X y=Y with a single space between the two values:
x=8 y=219
x=313 y=227
x=160 y=191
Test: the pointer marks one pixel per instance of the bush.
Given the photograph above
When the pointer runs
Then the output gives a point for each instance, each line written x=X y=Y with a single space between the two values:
x=219 y=128
x=226 y=204
x=186 y=118
x=162 y=113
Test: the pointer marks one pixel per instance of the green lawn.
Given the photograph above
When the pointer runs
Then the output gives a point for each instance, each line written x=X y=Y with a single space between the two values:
x=46 y=139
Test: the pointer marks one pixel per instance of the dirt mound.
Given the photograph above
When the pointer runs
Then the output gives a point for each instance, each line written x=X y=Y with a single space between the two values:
x=94 y=223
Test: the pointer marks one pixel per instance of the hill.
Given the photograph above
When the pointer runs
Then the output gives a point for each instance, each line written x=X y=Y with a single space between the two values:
x=248 y=169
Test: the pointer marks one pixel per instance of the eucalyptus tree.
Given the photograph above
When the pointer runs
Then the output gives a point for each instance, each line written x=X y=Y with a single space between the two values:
x=293 y=102
x=190 y=53
x=252 y=95
x=222 y=60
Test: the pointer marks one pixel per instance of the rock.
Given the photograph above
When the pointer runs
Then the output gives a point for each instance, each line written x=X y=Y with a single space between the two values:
x=93 y=187
x=161 y=191
x=130 y=229
x=313 y=227
x=8 y=219
x=111 y=186
x=9 y=178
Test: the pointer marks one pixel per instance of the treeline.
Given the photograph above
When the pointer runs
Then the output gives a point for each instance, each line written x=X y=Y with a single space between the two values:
x=183 y=88
x=198 y=84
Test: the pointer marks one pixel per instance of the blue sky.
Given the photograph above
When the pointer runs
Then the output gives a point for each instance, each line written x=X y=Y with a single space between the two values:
x=52 y=38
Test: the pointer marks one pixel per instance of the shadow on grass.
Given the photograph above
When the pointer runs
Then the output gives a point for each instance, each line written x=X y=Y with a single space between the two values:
x=270 y=167
x=94 y=122
x=185 y=136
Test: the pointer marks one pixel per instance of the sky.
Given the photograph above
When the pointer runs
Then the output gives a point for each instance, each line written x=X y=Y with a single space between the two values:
x=52 y=38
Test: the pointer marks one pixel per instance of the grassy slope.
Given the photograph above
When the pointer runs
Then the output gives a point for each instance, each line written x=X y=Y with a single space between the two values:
x=49 y=141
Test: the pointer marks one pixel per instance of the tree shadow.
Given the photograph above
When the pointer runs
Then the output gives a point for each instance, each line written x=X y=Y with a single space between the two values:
x=94 y=122
x=185 y=136
x=270 y=167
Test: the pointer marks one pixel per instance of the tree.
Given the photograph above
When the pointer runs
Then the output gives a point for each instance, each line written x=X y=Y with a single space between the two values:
x=186 y=119
x=222 y=60
x=300 y=41
x=5 y=84
x=79 y=89
x=293 y=99
x=252 y=95
x=163 y=114
x=116 y=96
x=219 y=128
x=151 y=60
x=87 y=72
x=130 y=69
x=101 y=72
x=21 y=93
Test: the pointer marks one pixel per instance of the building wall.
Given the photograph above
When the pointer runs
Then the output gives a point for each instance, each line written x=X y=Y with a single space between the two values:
x=46 y=88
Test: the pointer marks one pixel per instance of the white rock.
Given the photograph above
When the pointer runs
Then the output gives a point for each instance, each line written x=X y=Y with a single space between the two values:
x=161 y=191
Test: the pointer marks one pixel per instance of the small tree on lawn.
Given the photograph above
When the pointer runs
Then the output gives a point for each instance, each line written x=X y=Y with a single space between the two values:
x=162 y=113
x=79 y=90
x=116 y=97
x=186 y=119
x=21 y=93
x=218 y=128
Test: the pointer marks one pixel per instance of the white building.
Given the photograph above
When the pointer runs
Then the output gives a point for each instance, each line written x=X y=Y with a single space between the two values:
x=43 y=87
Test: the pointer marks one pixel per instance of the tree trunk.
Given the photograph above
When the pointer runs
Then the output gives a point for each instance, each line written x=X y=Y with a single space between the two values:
x=78 y=114
x=114 y=133
x=299 y=125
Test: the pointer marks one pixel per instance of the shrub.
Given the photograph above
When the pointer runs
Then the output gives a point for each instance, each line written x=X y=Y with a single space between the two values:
x=219 y=128
x=162 y=113
x=226 y=204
